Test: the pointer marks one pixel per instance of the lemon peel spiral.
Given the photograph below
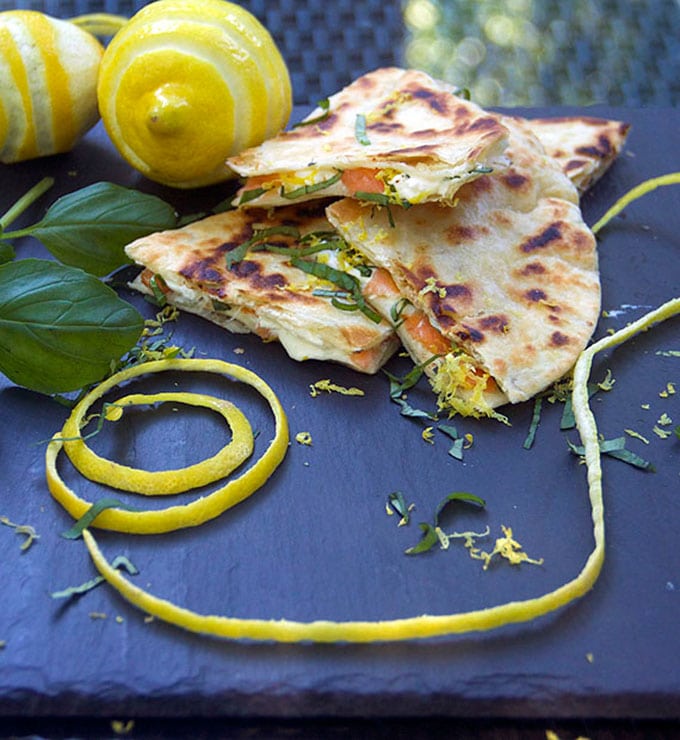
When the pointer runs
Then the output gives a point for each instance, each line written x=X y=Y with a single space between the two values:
x=179 y=516
x=160 y=482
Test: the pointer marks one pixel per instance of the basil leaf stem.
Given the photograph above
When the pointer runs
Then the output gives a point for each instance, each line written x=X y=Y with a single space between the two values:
x=23 y=203
x=90 y=227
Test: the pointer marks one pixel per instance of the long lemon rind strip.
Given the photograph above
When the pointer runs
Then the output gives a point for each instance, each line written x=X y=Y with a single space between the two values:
x=425 y=625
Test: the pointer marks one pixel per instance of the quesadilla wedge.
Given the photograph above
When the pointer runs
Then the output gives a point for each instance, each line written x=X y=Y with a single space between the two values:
x=393 y=136
x=508 y=275
x=238 y=269
x=583 y=146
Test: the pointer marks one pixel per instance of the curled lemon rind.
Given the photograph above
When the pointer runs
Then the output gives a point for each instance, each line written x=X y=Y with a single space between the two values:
x=202 y=509
x=161 y=482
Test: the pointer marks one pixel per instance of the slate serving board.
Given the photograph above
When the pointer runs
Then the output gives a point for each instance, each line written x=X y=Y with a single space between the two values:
x=316 y=541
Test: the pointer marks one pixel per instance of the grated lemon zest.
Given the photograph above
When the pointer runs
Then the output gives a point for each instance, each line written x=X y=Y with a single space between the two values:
x=457 y=371
x=304 y=438
x=315 y=389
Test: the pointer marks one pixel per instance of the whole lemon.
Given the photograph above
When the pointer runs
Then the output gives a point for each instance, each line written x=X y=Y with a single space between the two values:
x=186 y=84
x=48 y=84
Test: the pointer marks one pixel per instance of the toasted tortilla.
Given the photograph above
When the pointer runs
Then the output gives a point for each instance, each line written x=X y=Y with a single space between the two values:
x=509 y=274
x=392 y=133
x=583 y=146
x=262 y=292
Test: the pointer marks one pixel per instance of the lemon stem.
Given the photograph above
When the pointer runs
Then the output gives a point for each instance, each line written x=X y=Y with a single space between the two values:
x=25 y=202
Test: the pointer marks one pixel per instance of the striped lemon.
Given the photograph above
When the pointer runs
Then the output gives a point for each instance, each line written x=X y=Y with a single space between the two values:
x=48 y=84
x=186 y=84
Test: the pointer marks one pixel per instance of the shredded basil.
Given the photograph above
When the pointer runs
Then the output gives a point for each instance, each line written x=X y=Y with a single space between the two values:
x=397 y=396
x=468 y=498
x=118 y=562
x=360 y=130
x=257 y=240
x=252 y=194
x=308 y=189
x=159 y=289
x=456 y=449
x=427 y=541
x=616 y=448
x=397 y=503
x=343 y=280
x=92 y=513
x=220 y=306
x=397 y=310
x=432 y=533
x=533 y=427
x=325 y=106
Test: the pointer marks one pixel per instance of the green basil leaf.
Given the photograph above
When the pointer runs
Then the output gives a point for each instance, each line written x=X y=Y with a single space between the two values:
x=90 y=227
x=60 y=328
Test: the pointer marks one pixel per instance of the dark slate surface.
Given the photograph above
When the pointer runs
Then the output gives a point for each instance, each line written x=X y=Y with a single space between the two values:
x=316 y=541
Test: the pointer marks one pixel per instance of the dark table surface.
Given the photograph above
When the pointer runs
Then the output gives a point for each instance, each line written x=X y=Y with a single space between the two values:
x=316 y=541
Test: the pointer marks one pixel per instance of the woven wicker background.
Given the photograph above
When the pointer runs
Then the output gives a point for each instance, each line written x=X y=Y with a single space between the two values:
x=326 y=43
x=542 y=52
x=508 y=52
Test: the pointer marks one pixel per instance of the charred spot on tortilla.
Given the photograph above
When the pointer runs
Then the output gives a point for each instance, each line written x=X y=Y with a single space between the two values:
x=574 y=164
x=498 y=324
x=535 y=295
x=458 y=233
x=471 y=334
x=533 y=268
x=558 y=339
x=515 y=180
x=439 y=102
x=550 y=234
